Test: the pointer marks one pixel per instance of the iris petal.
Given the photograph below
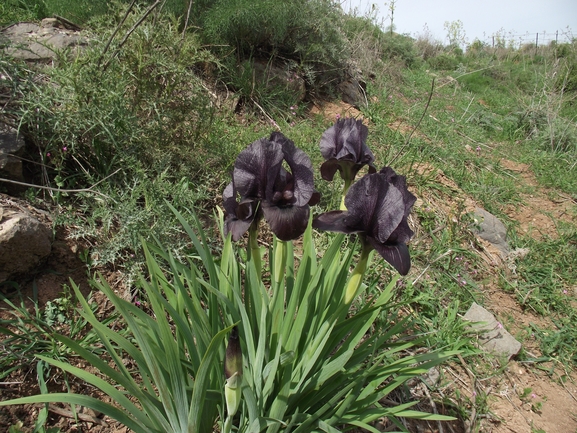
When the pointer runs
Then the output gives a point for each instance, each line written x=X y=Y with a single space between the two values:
x=395 y=254
x=239 y=216
x=257 y=167
x=287 y=223
x=301 y=168
x=345 y=142
x=377 y=207
x=329 y=168
x=229 y=199
x=333 y=221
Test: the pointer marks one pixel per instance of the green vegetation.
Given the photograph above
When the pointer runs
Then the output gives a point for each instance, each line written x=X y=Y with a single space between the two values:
x=149 y=128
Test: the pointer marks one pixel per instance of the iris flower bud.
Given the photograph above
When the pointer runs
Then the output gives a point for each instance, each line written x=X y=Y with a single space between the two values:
x=233 y=373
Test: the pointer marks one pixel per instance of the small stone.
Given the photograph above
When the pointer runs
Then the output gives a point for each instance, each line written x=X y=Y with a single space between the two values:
x=431 y=377
x=493 y=337
x=492 y=230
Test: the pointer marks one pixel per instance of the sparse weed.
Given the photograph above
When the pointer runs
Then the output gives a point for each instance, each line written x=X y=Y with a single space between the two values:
x=30 y=330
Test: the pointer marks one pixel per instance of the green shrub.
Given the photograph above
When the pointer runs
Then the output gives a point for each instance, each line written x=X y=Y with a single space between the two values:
x=140 y=106
x=306 y=32
x=476 y=82
x=566 y=80
x=77 y=11
x=443 y=62
x=401 y=47
x=13 y=11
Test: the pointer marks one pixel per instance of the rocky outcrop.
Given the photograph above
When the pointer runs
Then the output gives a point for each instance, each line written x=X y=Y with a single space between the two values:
x=33 y=42
x=272 y=75
x=353 y=92
x=25 y=241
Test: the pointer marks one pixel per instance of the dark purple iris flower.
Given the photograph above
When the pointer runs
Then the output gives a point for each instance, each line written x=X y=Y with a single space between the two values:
x=377 y=209
x=344 y=148
x=266 y=188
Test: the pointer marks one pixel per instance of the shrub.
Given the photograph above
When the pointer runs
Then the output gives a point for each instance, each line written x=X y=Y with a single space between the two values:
x=566 y=80
x=443 y=62
x=306 y=32
x=401 y=47
x=142 y=109
x=13 y=11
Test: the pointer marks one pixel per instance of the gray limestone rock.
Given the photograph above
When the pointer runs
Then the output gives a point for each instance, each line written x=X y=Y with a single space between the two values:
x=353 y=92
x=492 y=230
x=29 y=41
x=493 y=337
x=24 y=243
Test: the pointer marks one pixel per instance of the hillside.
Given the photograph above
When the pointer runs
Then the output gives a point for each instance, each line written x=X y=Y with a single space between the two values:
x=144 y=123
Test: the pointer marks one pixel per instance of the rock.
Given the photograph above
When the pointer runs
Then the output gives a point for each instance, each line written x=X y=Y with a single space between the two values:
x=492 y=230
x=353 y=92
x=493 y=337
x=431 y=377
x=11 y=149
x=29 y=41
x=272 y=75
x=24 y=243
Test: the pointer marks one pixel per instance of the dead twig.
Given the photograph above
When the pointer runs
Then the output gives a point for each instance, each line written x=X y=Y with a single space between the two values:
x=434 y=407
x=115 y=32
x=81 y=416
x=187 y=18
x=48 y=188
x=134 y=27
x=271 y=120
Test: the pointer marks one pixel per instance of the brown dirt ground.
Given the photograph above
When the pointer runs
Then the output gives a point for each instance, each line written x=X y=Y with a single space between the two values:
x=503 y=386
x=537 y=216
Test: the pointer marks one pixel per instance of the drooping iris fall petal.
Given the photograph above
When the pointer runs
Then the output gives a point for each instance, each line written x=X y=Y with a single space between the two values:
x=344 y=148
x=239 y=215
x=377 y=208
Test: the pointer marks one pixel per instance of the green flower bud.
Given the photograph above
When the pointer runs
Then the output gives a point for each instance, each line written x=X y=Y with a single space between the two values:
x=233 y=373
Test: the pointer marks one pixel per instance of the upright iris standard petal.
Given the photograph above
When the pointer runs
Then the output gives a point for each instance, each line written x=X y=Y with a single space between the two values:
x=378 y=206
x=301 y=168
x=256 y=168
x=267 y=188
x=344 y=148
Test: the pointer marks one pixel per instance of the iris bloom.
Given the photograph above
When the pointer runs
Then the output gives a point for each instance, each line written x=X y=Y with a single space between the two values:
x=377 y=209
x=344 y=148
x=262 y=187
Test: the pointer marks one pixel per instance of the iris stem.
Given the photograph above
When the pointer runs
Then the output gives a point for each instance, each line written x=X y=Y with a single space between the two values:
x=356 y=278
x=348 y=183
x=254 y=250
x=280 y=255
x=227 y=428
